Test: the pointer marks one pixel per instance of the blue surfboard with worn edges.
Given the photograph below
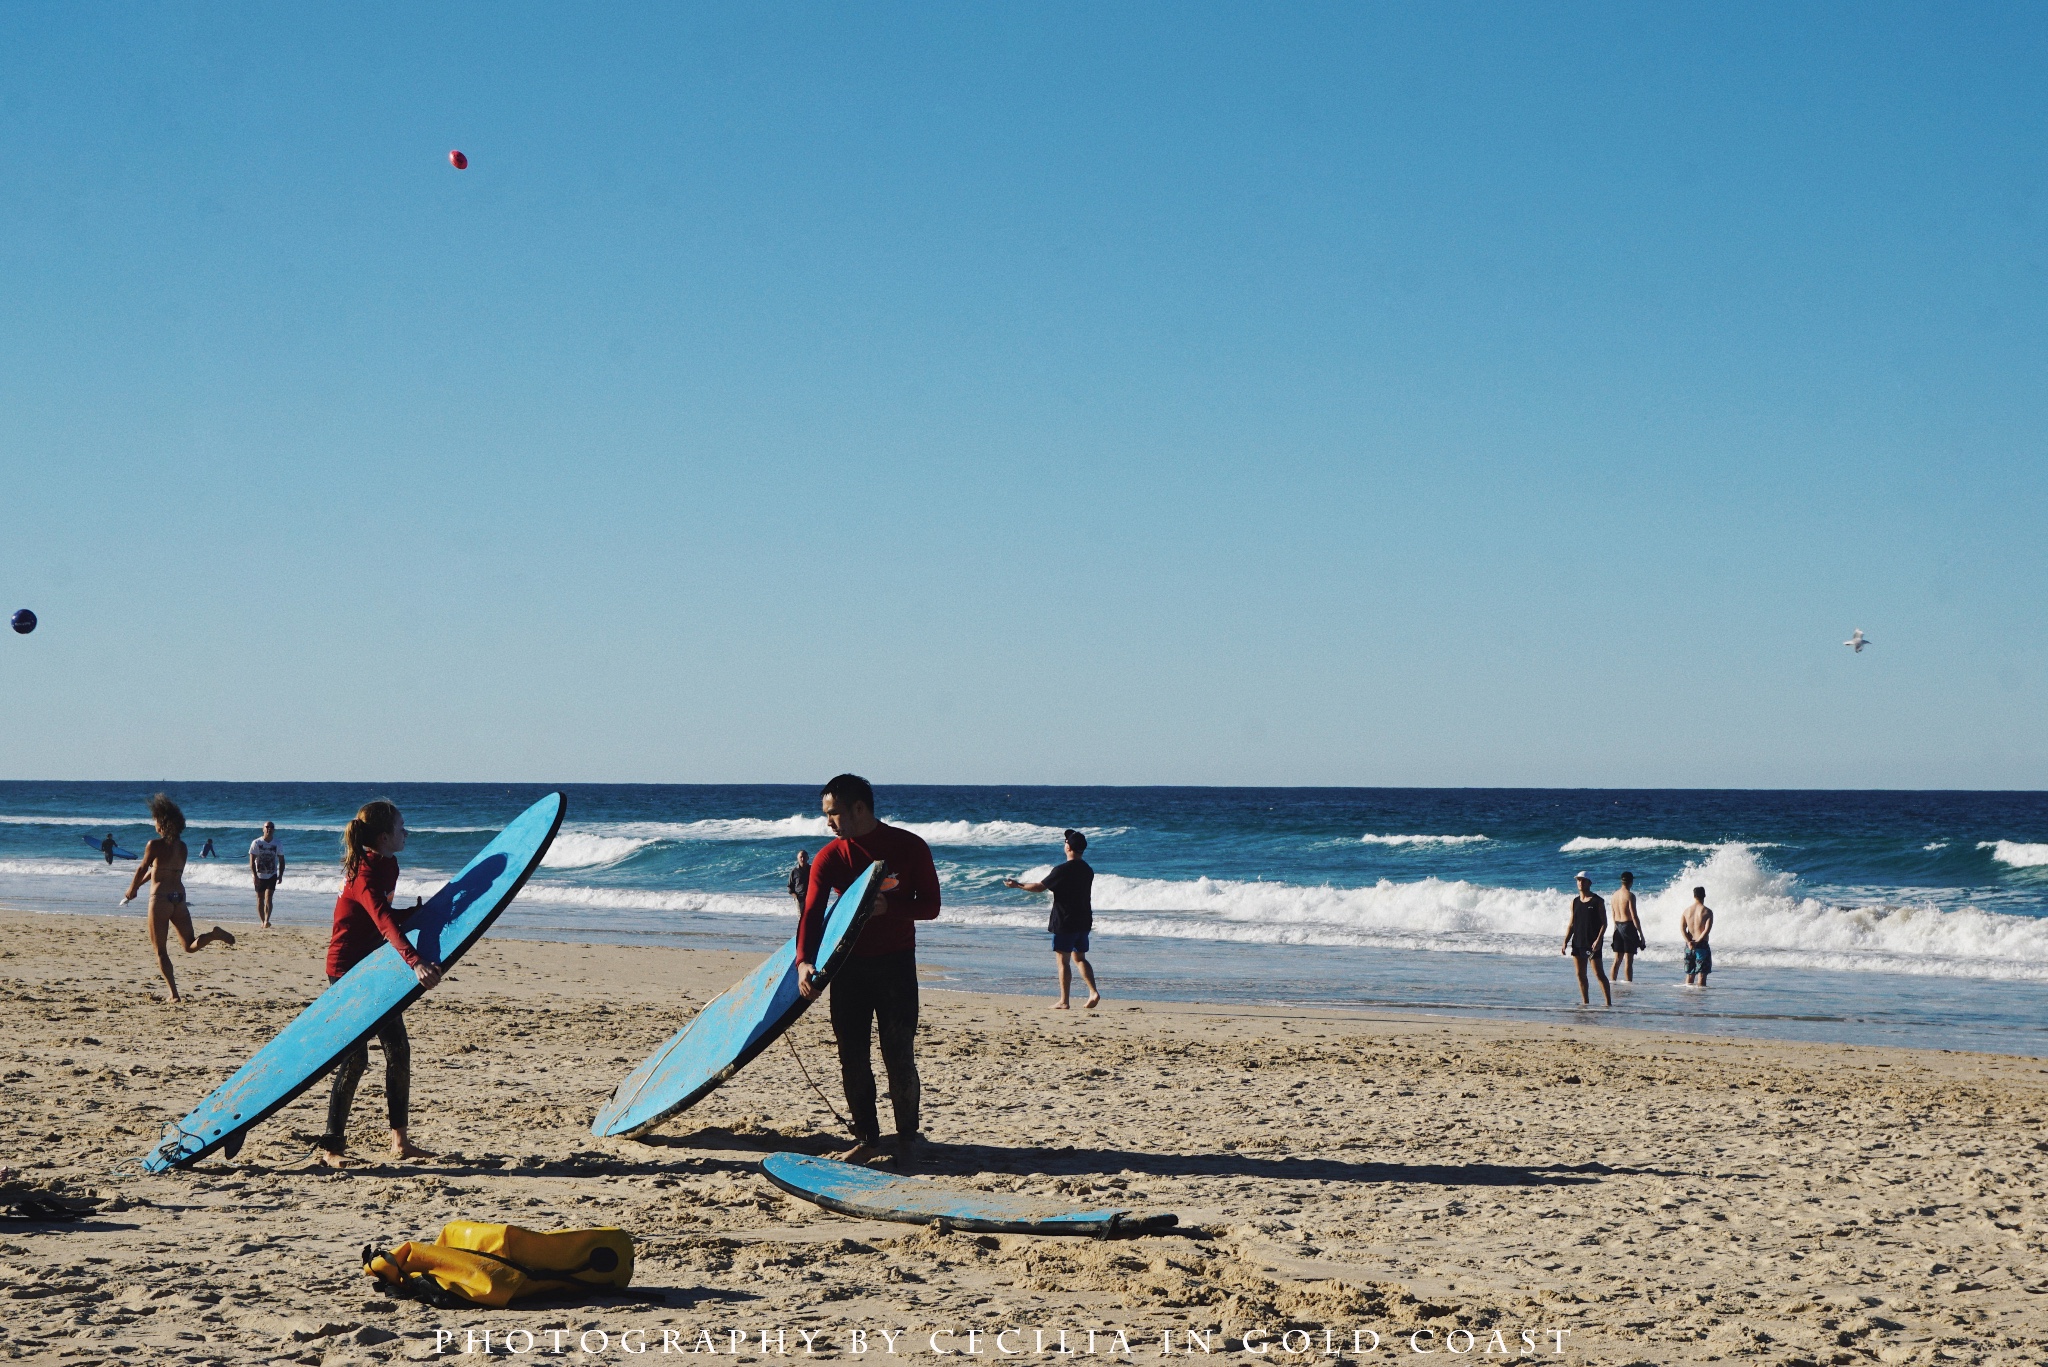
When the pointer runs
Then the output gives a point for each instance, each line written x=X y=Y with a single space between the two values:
x=737 y=1025
x=339 y=1018
x=853 y=1190
x=100 y=849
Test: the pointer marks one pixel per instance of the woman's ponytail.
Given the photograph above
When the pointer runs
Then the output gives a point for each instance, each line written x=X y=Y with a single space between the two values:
x=359 y=838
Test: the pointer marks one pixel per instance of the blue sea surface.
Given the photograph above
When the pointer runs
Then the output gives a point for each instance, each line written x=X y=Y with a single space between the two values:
x=1916 y=918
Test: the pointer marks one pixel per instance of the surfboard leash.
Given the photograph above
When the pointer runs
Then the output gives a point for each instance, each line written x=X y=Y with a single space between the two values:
x=791 y=1042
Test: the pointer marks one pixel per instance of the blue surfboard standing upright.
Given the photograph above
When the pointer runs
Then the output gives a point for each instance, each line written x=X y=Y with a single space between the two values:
x=345 y=1014
x=738 y=1024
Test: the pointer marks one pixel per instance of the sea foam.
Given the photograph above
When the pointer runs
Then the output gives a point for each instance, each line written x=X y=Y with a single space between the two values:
x=798 y=827
x=1420 y=839
x=1760 y=918
x=2016 y=854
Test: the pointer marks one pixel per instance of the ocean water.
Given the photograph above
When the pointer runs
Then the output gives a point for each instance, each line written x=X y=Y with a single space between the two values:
x=1873 y=917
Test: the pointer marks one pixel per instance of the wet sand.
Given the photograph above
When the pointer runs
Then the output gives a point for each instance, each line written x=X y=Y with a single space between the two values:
x=1635 y=1198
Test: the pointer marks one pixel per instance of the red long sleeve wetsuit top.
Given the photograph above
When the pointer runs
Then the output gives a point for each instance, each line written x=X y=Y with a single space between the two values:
x=363 y=918
x=892 y=925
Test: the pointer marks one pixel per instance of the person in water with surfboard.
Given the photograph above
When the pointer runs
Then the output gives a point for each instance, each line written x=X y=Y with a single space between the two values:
x=163 y=862
x=363 y=919
x=875 y=990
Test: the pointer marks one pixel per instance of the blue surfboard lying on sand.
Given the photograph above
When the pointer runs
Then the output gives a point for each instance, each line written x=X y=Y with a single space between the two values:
x=738 y=1024
x=119 y=853
x=853 y=1190
x=451 y=921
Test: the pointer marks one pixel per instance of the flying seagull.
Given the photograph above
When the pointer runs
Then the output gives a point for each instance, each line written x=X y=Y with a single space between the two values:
x=1858 y=640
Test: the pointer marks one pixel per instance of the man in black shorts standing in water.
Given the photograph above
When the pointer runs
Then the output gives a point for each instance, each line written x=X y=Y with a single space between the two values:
x=1073 y=915
x=1582 y=938
x=875 y=991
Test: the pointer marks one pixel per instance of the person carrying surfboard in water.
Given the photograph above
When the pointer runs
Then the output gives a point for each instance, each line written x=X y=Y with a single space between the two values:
x=875 y=990
x=363 y=919
x=163 y=862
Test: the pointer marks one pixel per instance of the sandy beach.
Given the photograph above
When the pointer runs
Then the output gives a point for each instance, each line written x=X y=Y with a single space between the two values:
x=1423 y=1183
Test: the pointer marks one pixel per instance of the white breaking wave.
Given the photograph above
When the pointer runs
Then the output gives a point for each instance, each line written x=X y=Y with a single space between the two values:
x=1937 y=845
x=744 y=828
x=2016 y=854
x=226 y=874
x=1758 y=919
x=1420 y=839
x=140 y=817
x=582 y=850
x=1584 y=843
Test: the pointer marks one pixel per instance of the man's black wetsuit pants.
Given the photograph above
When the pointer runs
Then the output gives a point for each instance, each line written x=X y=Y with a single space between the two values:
x=881 y=991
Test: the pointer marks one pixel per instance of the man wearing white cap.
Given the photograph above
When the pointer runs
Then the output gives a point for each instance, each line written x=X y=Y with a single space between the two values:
x=1582 y=936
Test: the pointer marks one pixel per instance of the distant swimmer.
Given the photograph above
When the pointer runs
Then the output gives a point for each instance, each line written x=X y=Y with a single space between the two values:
x=1073 y=916
x=1858 y=640
x=1696 y=925
x=163 y=861
x=206 y=851
x=1582 y=936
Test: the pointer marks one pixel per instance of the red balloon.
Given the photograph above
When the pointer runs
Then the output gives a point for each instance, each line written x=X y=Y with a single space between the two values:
x=458 y=161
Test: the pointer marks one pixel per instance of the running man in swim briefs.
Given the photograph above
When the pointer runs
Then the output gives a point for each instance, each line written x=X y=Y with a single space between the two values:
x=1628 y=929
x=163 y=862
x=1696 y=925
x=875 y=991
x=266 y=866
x=1582 y=935
x=1073 y=915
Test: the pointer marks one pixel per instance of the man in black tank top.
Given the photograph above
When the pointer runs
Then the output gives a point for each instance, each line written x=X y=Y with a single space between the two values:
x=1582 y=935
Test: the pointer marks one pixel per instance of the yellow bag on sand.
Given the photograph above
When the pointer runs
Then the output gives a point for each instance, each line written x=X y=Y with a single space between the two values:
x=495 y=1264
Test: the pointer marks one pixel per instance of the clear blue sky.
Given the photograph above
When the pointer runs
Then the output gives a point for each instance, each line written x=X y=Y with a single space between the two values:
x=1367 y=394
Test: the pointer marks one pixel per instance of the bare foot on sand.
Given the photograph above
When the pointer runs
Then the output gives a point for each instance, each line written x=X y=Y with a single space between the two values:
x=1061 y=1005
x=327 y=1158
x=1093 y=1001
x=866 y=1154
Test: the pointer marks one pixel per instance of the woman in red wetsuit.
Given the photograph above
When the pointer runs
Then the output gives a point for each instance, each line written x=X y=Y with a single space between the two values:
x=363 y=920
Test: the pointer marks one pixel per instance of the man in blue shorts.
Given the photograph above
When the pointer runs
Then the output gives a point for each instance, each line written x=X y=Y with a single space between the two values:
x=1073 y=915
x=1696 y=925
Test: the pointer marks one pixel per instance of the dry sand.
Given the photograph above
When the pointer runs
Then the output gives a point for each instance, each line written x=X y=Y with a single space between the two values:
x=1660 y=1199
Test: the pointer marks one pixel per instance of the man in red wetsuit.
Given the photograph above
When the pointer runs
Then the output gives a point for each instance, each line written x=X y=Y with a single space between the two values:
x=876 y=986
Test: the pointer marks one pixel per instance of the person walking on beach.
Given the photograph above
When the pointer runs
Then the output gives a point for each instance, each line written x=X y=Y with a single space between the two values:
x=1628 y=929
x=1073 y=915
x=800 y=879
x=364 y=919
x=1696 y=925
x=875 y=990
x=1582 y=935
x=163 y=863
x=266 y=867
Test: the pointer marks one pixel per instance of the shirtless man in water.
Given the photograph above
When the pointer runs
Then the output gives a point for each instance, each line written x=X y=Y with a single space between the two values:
x=1696 y=925
x=163 y=861
x=1628 y=929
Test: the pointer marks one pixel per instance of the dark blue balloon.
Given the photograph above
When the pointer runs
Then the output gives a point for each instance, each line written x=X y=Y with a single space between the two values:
x=24 y=621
